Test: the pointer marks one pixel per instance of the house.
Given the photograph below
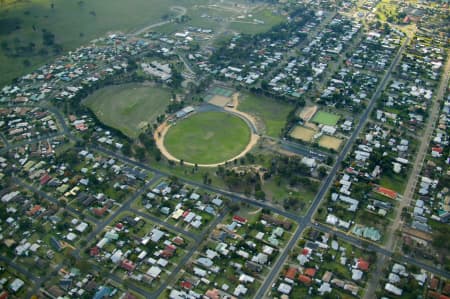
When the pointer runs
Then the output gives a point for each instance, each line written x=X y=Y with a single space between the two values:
x=240 y=220
x=168 y=251
x=199 y=272
x=362 y=265
x=94 y=251
x=16 y=285
x=284 y=288
x=186 y=285
x=310 y=272
x=154 y=271
x=393 y=289
x=324 y=288
x=213 y=294
x=327 y=276
x=304 y=279
x=291 y=273
x=156 y=235
x=81 y=227
x=128 y=265
x=240 y=290
x=102 y=292
x=386 y=192
x=178 y=241
x=117 y=256
x=356 y=274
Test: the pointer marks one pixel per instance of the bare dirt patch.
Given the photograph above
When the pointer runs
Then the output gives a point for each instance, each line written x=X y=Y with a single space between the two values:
x=302 y=133
x=307 y=113
x=220 y=101
x=330 y=142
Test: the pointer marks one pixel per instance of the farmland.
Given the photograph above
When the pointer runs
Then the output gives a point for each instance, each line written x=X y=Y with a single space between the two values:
x=72 y=23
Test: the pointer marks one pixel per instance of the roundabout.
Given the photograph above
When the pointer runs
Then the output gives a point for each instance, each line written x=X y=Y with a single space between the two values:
x=207 y=139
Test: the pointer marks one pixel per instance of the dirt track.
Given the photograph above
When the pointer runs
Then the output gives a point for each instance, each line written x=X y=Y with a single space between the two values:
x=161 y=131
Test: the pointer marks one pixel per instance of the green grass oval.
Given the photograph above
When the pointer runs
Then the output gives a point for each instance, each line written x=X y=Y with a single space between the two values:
x=207 y=138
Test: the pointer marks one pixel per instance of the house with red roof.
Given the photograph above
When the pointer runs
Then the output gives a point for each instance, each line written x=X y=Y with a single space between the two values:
x=168 y=251
x=178 y=241
x=304 y=279
x=436 y=151
x=291 y=273
x=306 y=251
x=212 y=294
x=186 y=285
x=129 y=296
x=239 y=219
x=45 y=179
x=100 y=212
x=34 y=210
x=434 y=283
x=128 y=265
x=386 y=192
x=310 y=272
x=94 y=251
x=446 y=289
x=436 y=295
x=362 y=265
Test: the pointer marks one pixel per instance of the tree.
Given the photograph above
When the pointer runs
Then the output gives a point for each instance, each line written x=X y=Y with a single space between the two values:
x=322 y=172
x=176 y=78
x=25 y=223
x=260 y=195
x=5 y=45
x=264 y=85
x=48 y=38
x=140 y=153
x=126 y=149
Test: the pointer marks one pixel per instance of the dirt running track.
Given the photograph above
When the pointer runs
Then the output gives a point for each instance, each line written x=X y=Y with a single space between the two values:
x=161 y=131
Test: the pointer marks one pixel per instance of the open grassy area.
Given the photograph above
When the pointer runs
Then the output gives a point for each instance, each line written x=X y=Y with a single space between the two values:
x=259 y=21
x=207 y=138
x=396 y=182
x=271 y=112
x=72 y=22
x=326 y=118
x=128 y=107
x=387 y=10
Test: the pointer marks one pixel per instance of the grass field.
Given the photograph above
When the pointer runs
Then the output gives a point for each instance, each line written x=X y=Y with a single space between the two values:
x=265 y=15
x=326 y=118
x=73 y=24
x=207 y=138
x=127 y=107
x=302 y=133
x=271 y=112
x=395 y=182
